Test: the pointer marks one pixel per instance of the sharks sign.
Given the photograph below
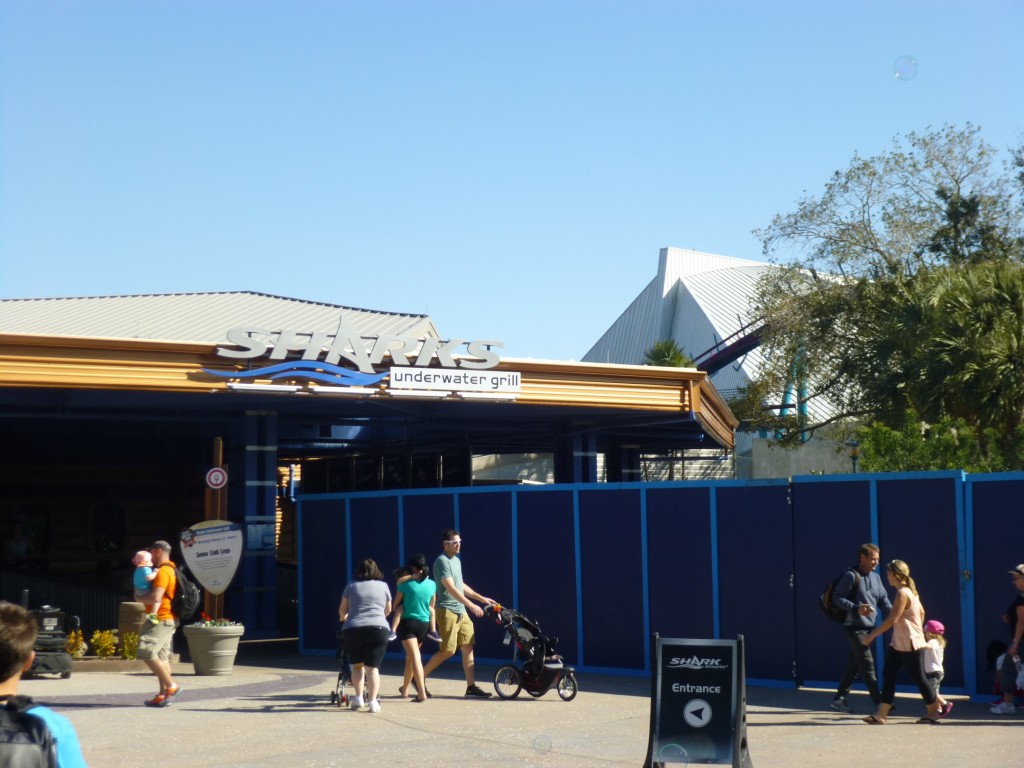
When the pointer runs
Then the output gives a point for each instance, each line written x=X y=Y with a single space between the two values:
x=349 y=359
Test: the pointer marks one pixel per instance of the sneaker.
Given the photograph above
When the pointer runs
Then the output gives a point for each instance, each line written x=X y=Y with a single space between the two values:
x=1003 y=708
x=839 y=705
x=375 y=706
x=156 y=701
x=392 y=636
x=475 y=691
x=434 y=636
x=944 y=711
x=356 y=702
x=170 y=696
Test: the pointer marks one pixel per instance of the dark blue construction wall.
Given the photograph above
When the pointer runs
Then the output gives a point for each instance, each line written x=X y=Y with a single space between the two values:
x=604 y=566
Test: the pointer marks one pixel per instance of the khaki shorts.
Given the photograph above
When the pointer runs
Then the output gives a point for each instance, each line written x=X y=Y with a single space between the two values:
x=155 y=641
x=456 y=629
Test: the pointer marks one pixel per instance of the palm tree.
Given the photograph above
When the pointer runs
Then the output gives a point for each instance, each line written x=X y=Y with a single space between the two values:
x=668 y=354
x=973 y=362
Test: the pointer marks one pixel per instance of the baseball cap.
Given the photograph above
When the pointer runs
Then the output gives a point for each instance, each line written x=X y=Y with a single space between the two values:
x=160 y=544
x=1018 y=571
x=935 y=627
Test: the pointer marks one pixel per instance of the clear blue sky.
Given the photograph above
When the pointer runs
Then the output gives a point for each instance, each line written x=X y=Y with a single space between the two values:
x=510 y=167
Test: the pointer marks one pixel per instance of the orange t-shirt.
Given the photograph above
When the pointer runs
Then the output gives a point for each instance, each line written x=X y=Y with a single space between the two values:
x=165 y=578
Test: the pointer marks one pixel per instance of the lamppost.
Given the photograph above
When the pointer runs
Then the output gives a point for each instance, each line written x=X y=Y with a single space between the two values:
x=854 y=446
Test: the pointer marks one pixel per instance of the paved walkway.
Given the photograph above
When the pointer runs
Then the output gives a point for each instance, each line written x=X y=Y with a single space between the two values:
x=276 y=712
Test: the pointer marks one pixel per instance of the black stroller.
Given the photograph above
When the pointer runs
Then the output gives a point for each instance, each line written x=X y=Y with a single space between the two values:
x=51 y=656
x=539 y=668
x=338 y=696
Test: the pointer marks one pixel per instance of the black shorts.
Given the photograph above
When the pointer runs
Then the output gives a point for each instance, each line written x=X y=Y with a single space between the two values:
x=408 y=628
x=366 y=645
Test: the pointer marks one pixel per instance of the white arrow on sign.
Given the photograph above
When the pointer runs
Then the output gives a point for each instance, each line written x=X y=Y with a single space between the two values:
x=697 y=713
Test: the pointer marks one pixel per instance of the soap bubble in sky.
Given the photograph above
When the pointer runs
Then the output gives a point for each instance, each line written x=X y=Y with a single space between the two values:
x=904 y=68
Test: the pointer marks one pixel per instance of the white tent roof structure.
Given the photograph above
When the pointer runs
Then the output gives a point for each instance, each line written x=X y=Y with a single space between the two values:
x=697 y=300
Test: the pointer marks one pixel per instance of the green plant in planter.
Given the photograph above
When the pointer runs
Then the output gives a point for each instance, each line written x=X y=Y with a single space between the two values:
x=104 y=643
x=129 y=645
x=207 y=621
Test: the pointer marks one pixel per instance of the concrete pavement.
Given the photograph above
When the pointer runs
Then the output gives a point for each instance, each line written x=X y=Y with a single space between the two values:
x=276 y=712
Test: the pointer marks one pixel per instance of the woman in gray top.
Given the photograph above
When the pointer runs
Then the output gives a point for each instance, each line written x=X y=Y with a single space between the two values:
x=365 y=605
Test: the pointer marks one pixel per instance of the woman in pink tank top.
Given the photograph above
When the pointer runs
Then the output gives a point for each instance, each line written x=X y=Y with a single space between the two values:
x=906 y=650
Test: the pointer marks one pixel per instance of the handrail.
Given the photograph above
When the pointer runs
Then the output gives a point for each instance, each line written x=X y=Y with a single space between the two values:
x=730 y=348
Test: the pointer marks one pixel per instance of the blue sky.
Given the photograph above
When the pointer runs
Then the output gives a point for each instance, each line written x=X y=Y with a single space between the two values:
x=510 y=168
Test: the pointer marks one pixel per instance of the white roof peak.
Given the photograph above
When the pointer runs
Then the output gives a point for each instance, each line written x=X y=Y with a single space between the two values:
x=674 y=264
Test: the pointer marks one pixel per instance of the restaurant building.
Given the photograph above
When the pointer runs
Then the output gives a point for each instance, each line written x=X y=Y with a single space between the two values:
x=115 y=409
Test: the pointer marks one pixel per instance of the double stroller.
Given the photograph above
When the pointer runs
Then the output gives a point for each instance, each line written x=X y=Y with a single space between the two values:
x=535 y=668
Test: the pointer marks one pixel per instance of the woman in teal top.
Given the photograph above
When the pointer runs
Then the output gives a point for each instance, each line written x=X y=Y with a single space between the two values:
x=415 y=597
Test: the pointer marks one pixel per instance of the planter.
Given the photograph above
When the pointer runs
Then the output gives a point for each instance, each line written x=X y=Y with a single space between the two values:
x=213 y=649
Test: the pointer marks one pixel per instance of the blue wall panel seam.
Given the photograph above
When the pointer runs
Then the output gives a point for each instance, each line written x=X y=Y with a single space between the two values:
x=716 y=616
x=515 y=548
x=873 y=509
x=577 y=547
x=645 y=580
x=300 y=581
x=873 y=516
x=348 y=540
x=968 y=610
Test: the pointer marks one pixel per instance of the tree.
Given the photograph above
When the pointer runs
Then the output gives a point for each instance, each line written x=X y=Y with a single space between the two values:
x=949 y=444
x=667 y=353
x=858 y=319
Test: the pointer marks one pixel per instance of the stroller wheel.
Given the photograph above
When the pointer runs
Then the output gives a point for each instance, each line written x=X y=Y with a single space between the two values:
x=508 y=682
x=567 y=687
x=334 y=697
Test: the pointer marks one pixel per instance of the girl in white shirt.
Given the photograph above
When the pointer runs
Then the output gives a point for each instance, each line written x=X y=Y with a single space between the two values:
x=934 y=650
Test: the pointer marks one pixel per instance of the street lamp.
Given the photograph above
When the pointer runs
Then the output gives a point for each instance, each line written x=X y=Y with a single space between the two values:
x=854 y=446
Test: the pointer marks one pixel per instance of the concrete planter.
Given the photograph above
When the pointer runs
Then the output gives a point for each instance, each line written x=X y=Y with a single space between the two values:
x=213 y=649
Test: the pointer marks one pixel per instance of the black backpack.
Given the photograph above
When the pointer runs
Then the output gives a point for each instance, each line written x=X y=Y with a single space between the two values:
x=25 y=741
x=186 y=598
x=830 y=609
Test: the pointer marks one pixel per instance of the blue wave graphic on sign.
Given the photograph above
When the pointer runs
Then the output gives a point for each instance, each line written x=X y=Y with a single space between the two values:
x=305 y=369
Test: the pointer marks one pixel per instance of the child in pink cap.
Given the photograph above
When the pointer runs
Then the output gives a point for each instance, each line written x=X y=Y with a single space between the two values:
x=934 y=651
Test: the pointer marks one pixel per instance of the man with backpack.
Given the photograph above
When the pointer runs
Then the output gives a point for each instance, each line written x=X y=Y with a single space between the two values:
x=155 y=639
x=29 y=734
x=859 y=592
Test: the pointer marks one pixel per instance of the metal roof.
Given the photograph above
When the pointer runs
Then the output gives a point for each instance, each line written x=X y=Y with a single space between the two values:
x=195 y=317
x=696 y=299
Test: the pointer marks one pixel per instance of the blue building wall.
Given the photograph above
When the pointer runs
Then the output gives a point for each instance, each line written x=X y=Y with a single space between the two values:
x=604 y=566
